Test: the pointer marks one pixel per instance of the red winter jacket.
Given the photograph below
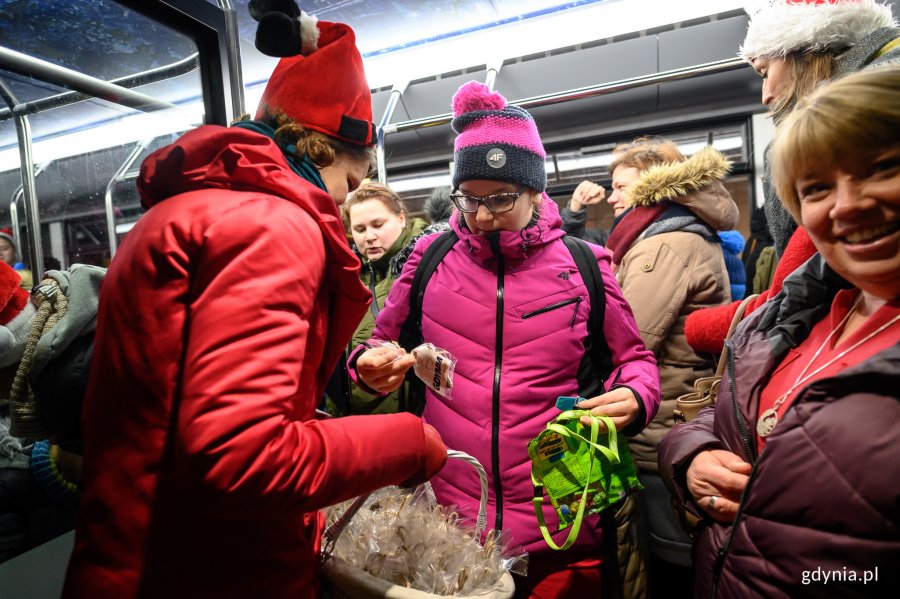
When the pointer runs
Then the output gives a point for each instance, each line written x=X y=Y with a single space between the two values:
x=220 y=320
x=705 y=329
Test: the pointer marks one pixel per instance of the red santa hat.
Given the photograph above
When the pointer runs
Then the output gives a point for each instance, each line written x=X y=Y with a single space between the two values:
x=323 y=86
x=781 y=27
x=16 y=314
x=7 y=234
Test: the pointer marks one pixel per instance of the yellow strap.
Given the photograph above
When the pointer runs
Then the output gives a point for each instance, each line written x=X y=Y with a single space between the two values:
x=538 y=499
x=887 y=48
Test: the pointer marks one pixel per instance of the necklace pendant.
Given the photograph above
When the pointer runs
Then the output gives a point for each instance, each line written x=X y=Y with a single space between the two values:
x=767 y=422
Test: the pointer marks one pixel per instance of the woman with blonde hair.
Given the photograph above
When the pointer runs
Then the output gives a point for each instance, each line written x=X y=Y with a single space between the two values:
x=795 y=470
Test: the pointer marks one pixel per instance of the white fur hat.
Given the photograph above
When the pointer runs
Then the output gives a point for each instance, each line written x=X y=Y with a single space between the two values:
x=780 y=27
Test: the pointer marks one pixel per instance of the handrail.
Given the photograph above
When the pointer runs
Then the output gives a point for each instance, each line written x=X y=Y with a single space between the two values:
x=49 y=72
x=589 y=91
x=493 y=69
x=14 y=202
x=26 y=166
x=20 y=190
x=169 y=71
x=108 y=196
x=396 y=92
x=233 y=47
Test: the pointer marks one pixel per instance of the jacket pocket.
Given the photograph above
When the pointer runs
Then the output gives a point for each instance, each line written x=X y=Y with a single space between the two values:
x=557 y=306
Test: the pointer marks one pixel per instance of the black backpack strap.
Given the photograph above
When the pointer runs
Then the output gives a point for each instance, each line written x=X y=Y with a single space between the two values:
x=601 y=359
x=586 y=262
x=411 y=331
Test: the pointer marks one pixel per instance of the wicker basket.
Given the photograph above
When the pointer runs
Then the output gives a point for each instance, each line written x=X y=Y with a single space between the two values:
x=347 y=581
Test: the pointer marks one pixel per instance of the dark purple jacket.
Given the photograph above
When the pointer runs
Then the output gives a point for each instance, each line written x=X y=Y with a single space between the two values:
x=824 y=496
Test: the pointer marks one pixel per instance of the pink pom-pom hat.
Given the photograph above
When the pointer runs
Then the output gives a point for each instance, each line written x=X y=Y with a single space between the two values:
x=495 y=141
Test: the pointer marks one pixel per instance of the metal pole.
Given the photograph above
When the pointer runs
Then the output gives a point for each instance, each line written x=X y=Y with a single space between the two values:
x=108 y=197
x=493 y=69
x=49 y=72
x=14 y=219
x=14 y=206
x=26 y=166
x=590 y=91
x=181 y=67
x=38 y=170
x=233 y=43
x=396 y=92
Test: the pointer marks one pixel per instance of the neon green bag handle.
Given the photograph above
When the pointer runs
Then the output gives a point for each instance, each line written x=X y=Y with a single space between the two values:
x=612 y=453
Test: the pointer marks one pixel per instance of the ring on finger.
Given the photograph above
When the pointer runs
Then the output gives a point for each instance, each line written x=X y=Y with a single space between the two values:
x=712 y=502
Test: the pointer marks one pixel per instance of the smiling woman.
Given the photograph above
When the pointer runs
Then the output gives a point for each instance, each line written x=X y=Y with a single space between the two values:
x=820 y=355
x=844 y=186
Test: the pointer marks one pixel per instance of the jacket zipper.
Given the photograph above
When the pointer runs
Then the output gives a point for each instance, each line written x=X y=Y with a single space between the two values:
x=572 y=300
x=742 y=428
x=719 y=564
x=374 y=306
x=498 y=363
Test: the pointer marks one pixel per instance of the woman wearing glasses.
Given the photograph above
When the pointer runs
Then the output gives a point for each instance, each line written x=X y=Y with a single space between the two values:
x=509 y=303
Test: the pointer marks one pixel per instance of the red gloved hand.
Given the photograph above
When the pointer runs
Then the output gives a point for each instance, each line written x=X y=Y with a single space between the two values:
x=435 y=457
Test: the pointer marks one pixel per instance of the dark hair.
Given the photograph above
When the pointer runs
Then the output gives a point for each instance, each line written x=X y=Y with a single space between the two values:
x=51 y=263
x=438 y=206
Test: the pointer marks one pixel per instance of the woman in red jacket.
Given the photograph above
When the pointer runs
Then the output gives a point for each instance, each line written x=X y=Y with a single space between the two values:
x=220 y=320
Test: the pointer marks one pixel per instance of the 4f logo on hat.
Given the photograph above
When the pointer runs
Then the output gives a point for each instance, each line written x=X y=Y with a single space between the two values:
x=496 y=158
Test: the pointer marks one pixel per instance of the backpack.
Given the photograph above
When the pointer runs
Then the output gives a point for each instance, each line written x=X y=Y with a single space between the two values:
x=51 y=379
x=411 y=331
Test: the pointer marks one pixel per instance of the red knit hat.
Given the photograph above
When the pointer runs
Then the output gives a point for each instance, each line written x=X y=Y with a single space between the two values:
x=325 y=88
x=16 y=313
x=780 y=27
x=7 y=234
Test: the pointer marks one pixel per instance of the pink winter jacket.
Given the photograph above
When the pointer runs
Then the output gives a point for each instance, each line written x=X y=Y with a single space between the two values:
x=503 y=399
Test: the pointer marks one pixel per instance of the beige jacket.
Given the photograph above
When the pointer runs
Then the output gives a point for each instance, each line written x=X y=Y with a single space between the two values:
x=667 y=275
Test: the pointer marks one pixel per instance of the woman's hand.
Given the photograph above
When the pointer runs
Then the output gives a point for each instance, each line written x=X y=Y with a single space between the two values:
x=586 y=194
x=620 y=404
x=716 y=478
x=383 y=368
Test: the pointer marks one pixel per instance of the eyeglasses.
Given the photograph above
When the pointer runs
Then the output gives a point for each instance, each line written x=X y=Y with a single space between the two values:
x=497 y=203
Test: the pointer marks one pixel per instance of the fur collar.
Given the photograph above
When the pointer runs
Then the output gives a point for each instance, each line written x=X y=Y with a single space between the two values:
x=669 y=181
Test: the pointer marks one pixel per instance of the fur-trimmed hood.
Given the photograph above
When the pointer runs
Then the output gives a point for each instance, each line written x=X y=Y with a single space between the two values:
x=695 y=184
